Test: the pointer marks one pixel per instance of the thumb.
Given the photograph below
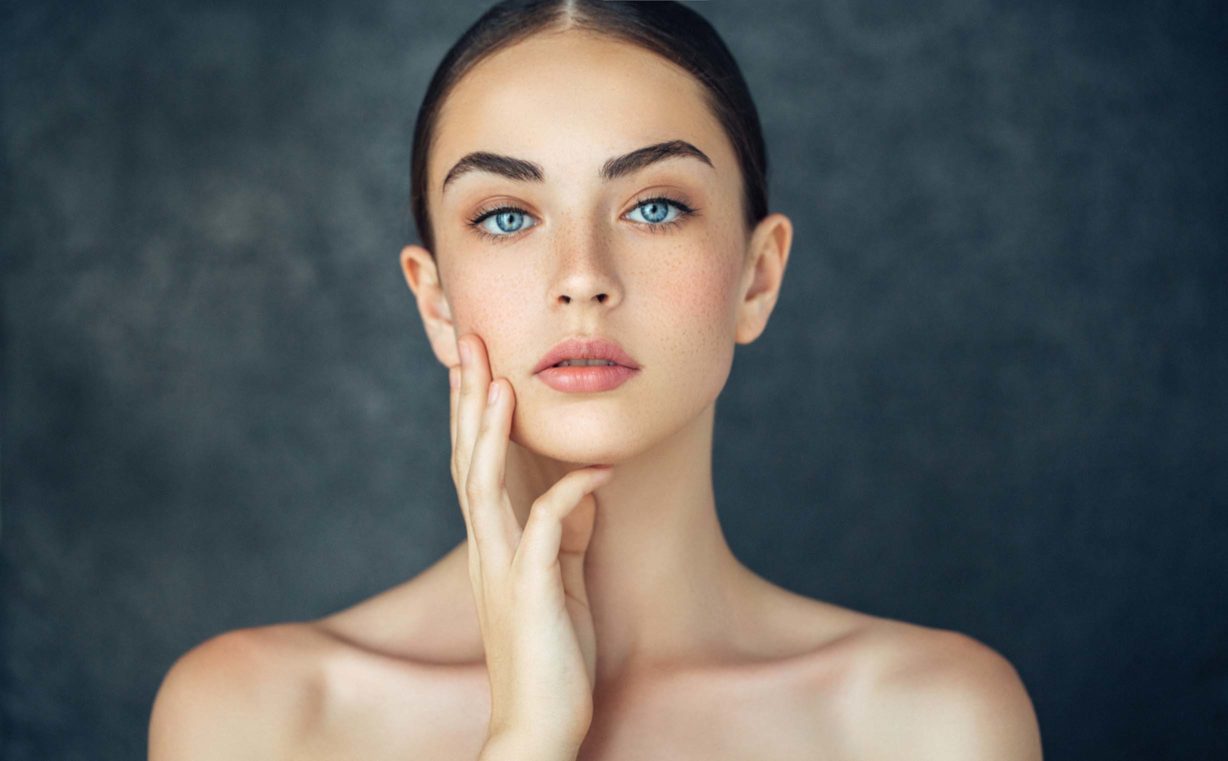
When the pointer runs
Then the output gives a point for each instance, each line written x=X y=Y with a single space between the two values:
x=577 y=531
x=560 y=522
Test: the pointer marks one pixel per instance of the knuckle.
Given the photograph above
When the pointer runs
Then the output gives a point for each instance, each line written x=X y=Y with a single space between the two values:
x=541 y=509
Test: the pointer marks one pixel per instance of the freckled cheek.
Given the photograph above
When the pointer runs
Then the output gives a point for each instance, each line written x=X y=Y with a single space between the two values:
x=695 y=317
x=491 y=308
x=702 y=297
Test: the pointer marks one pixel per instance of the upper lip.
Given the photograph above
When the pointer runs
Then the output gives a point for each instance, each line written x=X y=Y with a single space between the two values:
x=586 y=348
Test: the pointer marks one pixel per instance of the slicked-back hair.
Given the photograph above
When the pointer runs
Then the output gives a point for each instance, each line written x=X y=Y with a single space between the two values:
x=669 y=29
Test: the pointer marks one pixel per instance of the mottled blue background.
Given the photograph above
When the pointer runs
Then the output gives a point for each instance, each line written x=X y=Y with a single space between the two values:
x=991 y=397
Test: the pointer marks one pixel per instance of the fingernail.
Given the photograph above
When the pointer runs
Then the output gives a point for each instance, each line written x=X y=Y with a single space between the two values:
x=466 y=356
x=493 y=393
x=454 y=377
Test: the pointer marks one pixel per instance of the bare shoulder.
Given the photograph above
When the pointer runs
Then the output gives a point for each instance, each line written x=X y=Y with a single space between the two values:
x=371 y=681
x=926 y=693
x=240 y=694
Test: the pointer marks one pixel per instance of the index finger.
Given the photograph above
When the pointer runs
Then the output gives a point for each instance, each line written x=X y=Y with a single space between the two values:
x=453 y=397
x=454 y=381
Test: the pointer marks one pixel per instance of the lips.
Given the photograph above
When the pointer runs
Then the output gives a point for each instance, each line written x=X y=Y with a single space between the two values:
x=586 y=348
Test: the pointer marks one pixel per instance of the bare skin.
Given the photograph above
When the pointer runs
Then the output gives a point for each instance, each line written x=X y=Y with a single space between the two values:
x=402 y=676
x=696 y=655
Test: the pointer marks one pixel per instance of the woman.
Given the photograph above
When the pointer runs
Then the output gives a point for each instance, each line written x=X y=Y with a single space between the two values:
x=589 y=184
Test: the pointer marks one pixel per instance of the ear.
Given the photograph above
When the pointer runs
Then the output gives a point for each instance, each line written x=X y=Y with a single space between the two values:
x=766 y=259
x=422 y=276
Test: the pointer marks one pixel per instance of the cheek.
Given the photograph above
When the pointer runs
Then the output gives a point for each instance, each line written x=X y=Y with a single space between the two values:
x=494 y=308
x=701 y=291
x=696 y=312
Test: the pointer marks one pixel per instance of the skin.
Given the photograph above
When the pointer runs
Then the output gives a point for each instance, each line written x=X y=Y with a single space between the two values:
x=676 y=300
x=693 y=655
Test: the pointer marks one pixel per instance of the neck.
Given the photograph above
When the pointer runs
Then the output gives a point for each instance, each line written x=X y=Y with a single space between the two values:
x=662 y=582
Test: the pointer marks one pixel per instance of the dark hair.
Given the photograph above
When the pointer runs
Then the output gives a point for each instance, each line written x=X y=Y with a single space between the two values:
x=668 y=29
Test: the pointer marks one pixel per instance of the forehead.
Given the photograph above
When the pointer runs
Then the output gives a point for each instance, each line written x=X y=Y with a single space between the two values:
x=569 y=101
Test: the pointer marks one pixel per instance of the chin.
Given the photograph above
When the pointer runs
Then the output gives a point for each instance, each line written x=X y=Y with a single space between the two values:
x=578 y=444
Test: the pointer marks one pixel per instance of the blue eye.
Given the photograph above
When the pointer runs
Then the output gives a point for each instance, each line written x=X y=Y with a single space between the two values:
x=509 y=220
x=655 y=210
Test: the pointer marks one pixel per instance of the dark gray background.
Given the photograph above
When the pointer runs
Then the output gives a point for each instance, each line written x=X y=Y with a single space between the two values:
x=991 y=397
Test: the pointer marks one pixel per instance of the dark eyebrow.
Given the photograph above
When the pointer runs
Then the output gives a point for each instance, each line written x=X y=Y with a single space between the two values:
x=619 y=166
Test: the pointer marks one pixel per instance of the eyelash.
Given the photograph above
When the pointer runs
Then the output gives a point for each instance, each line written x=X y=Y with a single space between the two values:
x=684 y=212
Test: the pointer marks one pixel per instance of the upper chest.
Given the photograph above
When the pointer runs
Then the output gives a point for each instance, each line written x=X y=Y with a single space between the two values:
x=377 y=711
x=786 y=711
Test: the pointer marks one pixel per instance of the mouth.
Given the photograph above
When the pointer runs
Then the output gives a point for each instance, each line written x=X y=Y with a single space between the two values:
x=592 y=354
x=584 y=378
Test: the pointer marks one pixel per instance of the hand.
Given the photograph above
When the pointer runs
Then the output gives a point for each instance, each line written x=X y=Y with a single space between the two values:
x=528 y=583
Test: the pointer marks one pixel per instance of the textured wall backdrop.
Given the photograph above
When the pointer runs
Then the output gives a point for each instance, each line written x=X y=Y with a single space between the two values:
x=991 y=398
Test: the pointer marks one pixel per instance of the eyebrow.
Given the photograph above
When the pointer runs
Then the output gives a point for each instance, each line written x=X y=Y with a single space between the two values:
x=619 y=166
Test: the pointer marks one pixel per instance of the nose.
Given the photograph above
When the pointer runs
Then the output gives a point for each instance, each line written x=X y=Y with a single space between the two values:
x=585 y=272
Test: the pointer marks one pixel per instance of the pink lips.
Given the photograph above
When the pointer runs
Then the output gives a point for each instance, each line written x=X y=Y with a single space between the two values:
x=588 y=379
x=586 y=348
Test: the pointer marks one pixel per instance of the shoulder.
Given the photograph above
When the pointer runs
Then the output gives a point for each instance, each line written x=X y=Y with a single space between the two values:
x=245 y=693
x=926 y=693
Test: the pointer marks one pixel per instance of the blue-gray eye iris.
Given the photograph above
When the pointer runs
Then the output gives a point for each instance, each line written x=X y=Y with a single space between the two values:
x=508 y=217
x=655 y=211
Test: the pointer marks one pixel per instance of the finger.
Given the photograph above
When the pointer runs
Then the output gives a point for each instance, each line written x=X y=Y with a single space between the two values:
x=490 y=508
x=465 y=421
x=453 y=395
x=577 y=530
x=543 y=531
x=455 y=382
x=475 y=379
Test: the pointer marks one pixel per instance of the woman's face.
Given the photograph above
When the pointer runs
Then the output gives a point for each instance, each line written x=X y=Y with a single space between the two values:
x=526 y=280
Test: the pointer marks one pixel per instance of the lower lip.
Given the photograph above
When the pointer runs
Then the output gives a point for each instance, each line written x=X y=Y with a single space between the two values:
x=580 y=380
